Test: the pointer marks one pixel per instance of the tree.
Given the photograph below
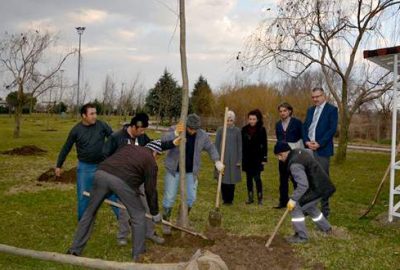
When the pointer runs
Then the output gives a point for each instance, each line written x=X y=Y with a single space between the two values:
x=109 y=95
x=60 y=108
x=22 y=56
x=164 y=100
x=328 y=34
x=183 y=217
x=25 y=102
x=202 y=98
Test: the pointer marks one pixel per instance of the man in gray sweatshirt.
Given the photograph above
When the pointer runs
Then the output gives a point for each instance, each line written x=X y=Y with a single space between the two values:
x=313 y=184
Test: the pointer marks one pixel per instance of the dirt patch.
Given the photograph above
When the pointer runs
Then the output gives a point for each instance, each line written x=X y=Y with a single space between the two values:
x=382 y=220
x=67 y=177
x=238 y=252
x=33 y=187
x=27 y=150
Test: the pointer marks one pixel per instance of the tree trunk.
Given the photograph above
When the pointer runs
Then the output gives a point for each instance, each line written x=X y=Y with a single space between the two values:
x=183 y=216
x=343 y=137
x=85 y=262
x=18 y=110
x=17 y=117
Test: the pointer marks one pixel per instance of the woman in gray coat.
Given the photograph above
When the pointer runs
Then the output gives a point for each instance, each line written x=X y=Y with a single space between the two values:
x=232 y=159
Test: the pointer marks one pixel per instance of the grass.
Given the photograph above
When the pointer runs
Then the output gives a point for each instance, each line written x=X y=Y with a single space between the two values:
x=44 y=217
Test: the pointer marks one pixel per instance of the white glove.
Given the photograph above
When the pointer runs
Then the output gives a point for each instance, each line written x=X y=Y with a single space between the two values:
x=157 y=218
x=219 y=165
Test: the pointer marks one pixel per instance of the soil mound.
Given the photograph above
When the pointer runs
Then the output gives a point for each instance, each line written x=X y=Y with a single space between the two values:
x=66 y=177
x=27 y=150
x=238 y=252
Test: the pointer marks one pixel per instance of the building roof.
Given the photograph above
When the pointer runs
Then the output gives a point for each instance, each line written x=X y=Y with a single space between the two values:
x=384 y=57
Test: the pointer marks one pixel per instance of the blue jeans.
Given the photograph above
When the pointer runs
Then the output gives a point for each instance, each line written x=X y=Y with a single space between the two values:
x=84 y=182
x=171 y=184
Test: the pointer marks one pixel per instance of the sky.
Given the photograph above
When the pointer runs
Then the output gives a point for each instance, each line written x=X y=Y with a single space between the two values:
x=124 y=38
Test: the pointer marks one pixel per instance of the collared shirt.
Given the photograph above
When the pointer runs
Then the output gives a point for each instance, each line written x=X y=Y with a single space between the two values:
x=285 y=123
x=317 y=114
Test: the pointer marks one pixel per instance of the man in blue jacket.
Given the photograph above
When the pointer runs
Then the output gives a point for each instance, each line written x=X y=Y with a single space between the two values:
x=288 y=130
x=318 y=131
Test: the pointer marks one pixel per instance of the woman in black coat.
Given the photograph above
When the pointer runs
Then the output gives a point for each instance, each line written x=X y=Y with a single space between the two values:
x=254 y=147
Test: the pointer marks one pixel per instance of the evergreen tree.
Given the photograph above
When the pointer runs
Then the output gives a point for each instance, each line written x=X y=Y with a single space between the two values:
x=202 y=98
x=164 y=99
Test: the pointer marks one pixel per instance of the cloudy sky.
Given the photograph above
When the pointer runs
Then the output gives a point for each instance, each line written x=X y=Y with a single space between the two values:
x=127 y=37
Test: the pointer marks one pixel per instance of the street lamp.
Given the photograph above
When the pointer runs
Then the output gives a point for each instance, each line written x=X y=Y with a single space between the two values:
x=80 y=30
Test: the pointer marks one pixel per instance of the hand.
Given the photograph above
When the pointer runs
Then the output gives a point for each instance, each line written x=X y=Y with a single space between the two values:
x=316 y=145
x=291 y=205
x=57 y=172
x=157 y=218
x=313 y=145
x=177 y=141
x=220 y=166
x=179 y=128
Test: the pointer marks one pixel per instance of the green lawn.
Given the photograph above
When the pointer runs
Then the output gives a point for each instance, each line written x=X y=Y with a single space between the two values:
x=43 y=217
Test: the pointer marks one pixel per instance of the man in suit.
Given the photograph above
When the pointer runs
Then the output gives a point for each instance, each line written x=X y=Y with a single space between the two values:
x=318 y=131
x=288 y=130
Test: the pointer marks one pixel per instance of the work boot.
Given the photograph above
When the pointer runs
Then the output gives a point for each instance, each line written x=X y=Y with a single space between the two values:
x=296 y=239
x=251 y=197
x=260 y=198
x=166 y=216
x=156 y=239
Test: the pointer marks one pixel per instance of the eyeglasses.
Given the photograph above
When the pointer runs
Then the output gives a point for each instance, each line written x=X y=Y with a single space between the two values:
x=315 y=97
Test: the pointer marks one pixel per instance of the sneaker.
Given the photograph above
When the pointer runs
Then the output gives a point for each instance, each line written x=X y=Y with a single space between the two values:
x=296 y=239
x=280 y=206
x=156 y=239
x=166 y=230
x=122 y=242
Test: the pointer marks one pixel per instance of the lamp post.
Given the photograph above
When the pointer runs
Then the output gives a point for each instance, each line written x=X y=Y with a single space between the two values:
x=80 y=30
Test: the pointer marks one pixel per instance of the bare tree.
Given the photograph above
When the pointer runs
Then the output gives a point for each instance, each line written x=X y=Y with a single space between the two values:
x=328 y=34
x=109 y=95
x=183 y=217
x=22 y=56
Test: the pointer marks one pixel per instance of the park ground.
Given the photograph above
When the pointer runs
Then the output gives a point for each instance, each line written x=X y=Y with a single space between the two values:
x=42 y=216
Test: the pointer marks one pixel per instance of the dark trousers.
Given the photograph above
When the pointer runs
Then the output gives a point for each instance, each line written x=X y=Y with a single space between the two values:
x=228 y=192
x=256 y=177
x=283 y=183
x=103 y=185
x=324 y=162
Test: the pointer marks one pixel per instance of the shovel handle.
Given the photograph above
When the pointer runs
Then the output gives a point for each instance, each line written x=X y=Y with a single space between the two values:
x=277 y=228
x=148 y=216
x=222 y=157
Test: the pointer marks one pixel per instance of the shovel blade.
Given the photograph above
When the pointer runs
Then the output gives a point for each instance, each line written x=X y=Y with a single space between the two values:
x=215 y=218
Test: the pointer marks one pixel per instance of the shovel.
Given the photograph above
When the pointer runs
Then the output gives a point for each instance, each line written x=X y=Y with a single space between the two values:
x=276 y=229
x=215 y=216
x=183 y=229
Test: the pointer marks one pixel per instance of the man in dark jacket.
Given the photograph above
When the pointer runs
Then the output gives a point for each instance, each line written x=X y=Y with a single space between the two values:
x=123 y=173
x=133 y=134
x=288 y=129
x=312 y=184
